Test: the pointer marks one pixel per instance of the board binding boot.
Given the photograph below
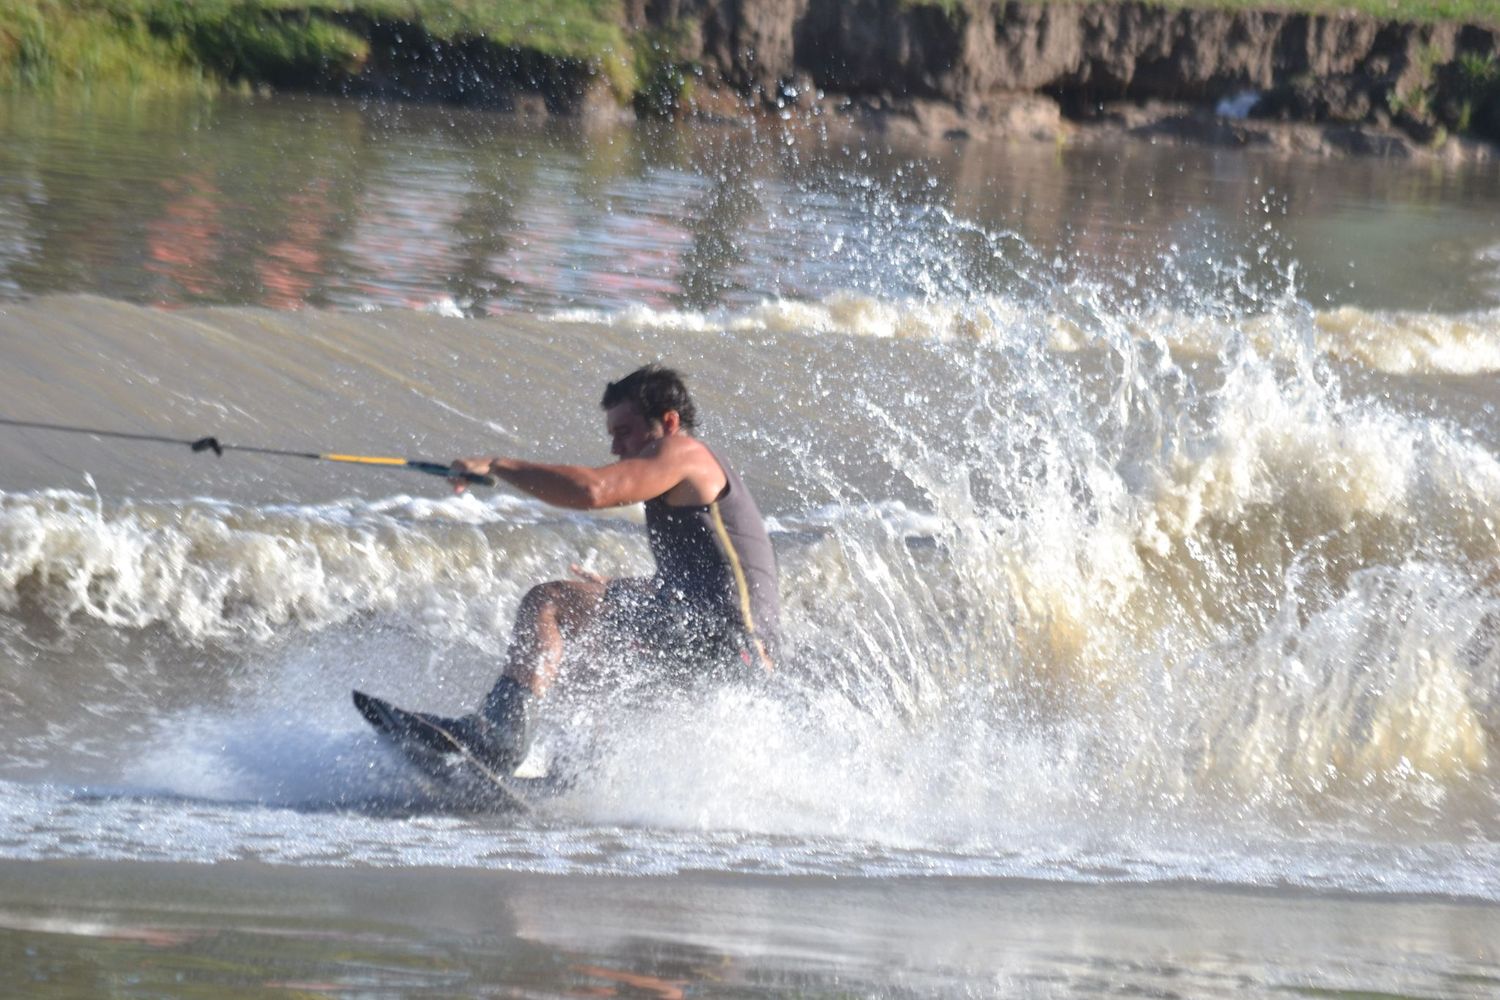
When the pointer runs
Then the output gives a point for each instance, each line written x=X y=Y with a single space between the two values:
x=509 y=720
x=498 y=737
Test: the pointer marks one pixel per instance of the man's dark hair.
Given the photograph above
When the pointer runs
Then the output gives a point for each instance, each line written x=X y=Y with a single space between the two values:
x=654 y=390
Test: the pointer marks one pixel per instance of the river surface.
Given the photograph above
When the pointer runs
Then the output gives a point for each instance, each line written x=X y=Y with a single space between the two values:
x=1137 y=507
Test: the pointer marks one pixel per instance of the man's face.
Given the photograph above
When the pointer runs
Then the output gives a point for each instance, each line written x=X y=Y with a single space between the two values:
x=629 y=432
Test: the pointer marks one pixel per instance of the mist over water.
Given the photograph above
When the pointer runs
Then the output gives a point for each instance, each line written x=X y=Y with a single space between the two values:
x=1187 y=566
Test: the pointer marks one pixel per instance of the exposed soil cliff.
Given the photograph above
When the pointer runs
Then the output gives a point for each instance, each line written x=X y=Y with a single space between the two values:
x=977 y=57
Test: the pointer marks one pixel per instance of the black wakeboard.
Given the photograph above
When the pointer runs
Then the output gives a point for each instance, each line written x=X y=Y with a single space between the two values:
x=444 y=759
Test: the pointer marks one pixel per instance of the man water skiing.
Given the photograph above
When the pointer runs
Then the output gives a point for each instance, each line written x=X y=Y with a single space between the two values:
x=712 y=598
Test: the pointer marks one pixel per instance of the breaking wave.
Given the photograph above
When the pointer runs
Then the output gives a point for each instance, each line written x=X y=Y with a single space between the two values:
x=1394 y=342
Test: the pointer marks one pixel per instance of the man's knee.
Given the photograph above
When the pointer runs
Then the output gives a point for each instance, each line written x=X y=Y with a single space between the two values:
x=544 y=594
x=563 y=601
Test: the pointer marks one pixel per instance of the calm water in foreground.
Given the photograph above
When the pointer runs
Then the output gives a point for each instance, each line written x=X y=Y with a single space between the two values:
x=248 y=931
x=1138 y=511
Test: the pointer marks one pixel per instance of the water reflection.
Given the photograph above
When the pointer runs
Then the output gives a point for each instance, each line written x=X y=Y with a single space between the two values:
x=298 y=202
x=99 y=928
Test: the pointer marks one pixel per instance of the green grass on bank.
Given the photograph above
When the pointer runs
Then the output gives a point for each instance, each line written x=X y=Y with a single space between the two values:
x=48 y=46
x=579 y=29
x=174 y=45
x=1410 y=11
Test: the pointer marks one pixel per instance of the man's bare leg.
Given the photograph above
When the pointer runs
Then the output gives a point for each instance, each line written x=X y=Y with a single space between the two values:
x=551 y=615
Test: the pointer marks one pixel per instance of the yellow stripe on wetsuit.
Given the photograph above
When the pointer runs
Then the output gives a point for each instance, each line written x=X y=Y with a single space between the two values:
x=741 y=584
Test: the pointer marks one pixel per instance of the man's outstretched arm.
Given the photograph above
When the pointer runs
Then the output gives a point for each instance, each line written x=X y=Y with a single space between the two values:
x=579 y=487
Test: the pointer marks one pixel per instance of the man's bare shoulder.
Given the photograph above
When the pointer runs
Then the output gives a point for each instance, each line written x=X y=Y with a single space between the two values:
x=702 y=478
x=681 y=448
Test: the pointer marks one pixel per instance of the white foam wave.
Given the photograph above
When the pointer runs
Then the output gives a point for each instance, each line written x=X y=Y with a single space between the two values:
x=1408 y=343
x=845 y=314
x=1402 y=343
x=1320 y=466
x=211 y=571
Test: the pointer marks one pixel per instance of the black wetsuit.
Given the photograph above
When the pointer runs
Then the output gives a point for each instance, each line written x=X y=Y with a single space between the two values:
x=714 y=591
